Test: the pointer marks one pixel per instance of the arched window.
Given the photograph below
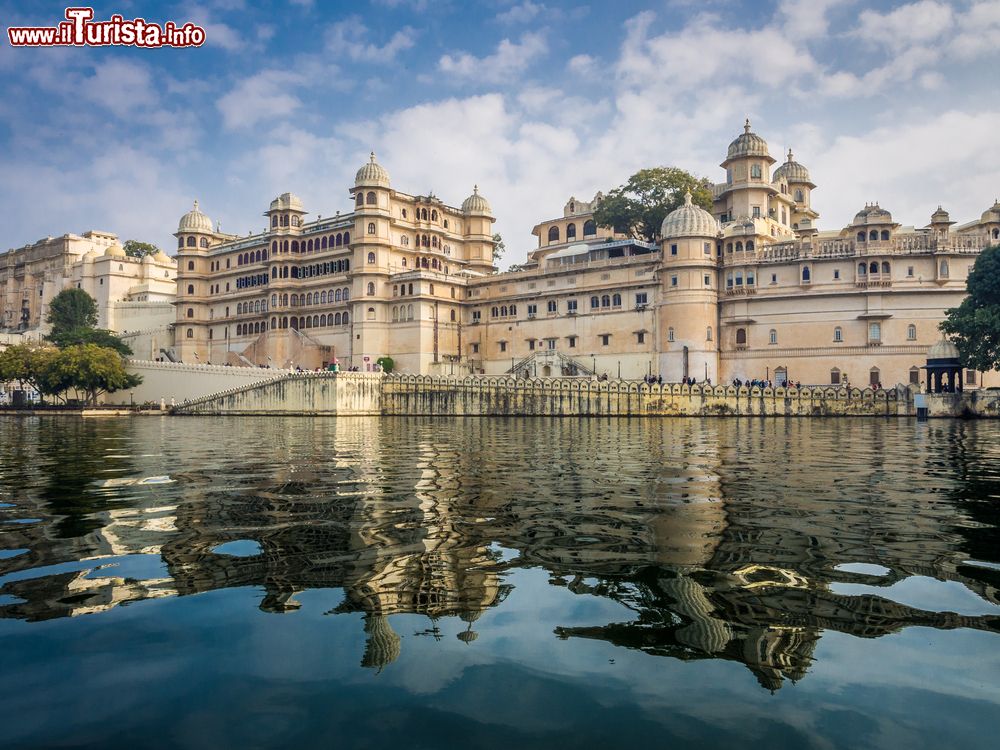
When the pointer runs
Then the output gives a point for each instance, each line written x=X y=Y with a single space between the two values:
x=605 y=300
x=295 y=246
x=911 y=332
x=452 y=316
x=616 y=300
x=503 y=311
x=190 y=288
x=861 y=269
x=346 y=318
x=434 y=215
x=996 y=234
x=336 y=319
x=347 y=239
x=513 y=309
x=309 y=298
x=322 y=298
x=798 y=195
x=284 y=221
x=594 y=302
x=371 y=288
x=874 y=376
x=885 y=234
x=180 y=242
x=423 y=214
x=190 y=312
x=861 y=236
x=772 y=336
x=274 y=220
x=806 y=275
x=203 y=242
x=274 y=300
x=708 y=333
x=885 y=267
x=494 y=312
x=670 y=334
x=340 y=240
x=409 y=312
x=371 y=258
x=370 y=198
x=755 y=171
x=739 y=247
x=553 y=234
x=838 y=334
x=434 y=241
x=873 y=235
x=371 y=313
x=359 y=199
x=749 y=246
x=190 y=241
x=835 y=376
x=371 y=227
x=589 y=228
x=571 y=231
x=873 y=267
x=190 y=333
x=395 y=314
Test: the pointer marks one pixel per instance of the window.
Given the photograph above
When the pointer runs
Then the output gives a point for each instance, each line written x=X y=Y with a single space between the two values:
x=190 y=312
x=861 y=236
x=532 y=310
x=806 y=275
x=708 y=333
x=641 y=298
x=670 y=334
x=835 y=376
x=571 y=306
x=605 y=339
x=589 y=228
x=836 y=274
x=838 y=334
x=475 y=348
x=203 y=242
x=774 y=278
x=371 y=227
x=640 y=337
x=885 y=235
x=616 y=300
x=371 y=288
x=909 y=272
x=605 y=300
x=772 y=336
x=756 y=212
x=553 y=306
x=729 y=280
x=673 y=280
x=371 y=313
x=594 y=303
x=911 y=332
x=943 y=269
x=191 y=265
x=370 y=198
x=798 y=195
x=874 y=377
x=914 y=376
x=874 y=333
x=190 y=241
x=553 y=234
x=708 y=280
x=531 y=345
x=190 y=333
x=707 y=248
x=673 y=249
x=970 y=377
x=862 y=269
x=572 y=342
x=503 y=346
x=190 y=288
x=571 y=231
x=371 y=258
x=886 y=270
x=741 y=337
x=755 y=171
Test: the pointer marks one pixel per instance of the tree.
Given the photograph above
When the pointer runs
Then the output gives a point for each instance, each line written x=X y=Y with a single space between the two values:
x=638 y=207
x=386 y=363
x=498 y=247
x=70 y=309
x=88 y=368
x=96 y=336
x=137 y=249
x=974 y=326
x=25 y=363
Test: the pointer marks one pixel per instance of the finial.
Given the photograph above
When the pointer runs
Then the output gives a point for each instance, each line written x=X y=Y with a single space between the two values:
x=746 y=126
x=790 y=157
x=475 y=189
x=195 y=204
x=373 y=157
x=687 y=198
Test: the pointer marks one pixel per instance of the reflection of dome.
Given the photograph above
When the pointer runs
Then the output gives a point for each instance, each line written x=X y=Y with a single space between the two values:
x=194 y=221
x=372 y=174
x=792 y=171
x=943 y=349
x=287 y=202
x=383 y=645
x=748 y=144
x=873 y=214
x=709 y=635
x=115 y=251
x=689 y=220
x=476 y=204
x=467 y=636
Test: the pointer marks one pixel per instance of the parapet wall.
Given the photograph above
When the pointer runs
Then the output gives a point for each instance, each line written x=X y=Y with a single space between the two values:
x=174 y=382
x=416 y=395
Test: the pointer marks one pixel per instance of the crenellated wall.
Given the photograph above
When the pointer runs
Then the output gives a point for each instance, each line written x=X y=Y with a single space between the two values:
x=327 y=393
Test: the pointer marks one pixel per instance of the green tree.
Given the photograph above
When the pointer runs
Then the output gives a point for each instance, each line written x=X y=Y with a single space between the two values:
x=71 y=309
x=974 y=326
x=90 y=369
x=498 y=247
x=387 y=363
x=24 y=363
x=137 y=249
x=96 y=336
x=638 y=207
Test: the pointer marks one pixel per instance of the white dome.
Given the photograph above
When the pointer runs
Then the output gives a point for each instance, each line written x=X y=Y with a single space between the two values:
x=162 y=257
x=943 y=349
x=115 y=251
x=992 y=213
x=476 y=204
x=287 y=202
x=91 y=254
x=689 y=220
x=372 y=174
x=792 y=171
x=194 y=221
x=872 y=214
x=748 y=144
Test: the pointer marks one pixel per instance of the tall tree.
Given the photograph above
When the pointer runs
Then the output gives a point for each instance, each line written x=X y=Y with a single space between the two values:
x=974 y=325
x=90 y=369
x=72 y=308
x=24 y=363
x=638 y=207
x=498 y=247
x=137 y=249
x=96 y=336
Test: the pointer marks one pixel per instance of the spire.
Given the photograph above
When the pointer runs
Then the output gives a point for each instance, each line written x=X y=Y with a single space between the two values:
x=373 y=157
x=746 y=126
x=790 y=157
x=475 y=189
x=687 y=198
x=195 y=204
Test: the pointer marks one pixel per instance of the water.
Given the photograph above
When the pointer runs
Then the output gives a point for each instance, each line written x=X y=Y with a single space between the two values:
x=531 y=583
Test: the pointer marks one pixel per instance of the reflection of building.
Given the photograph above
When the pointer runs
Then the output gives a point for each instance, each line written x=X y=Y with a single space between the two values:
x=751 y=289
x=133 y=295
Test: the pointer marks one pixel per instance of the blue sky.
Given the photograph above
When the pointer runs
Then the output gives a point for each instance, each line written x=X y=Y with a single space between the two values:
x=534 y=101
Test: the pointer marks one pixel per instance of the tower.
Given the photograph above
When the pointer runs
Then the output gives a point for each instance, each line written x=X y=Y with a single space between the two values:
x=371 y=261
x=194 y=238
x=689 y=310
x=795 y=177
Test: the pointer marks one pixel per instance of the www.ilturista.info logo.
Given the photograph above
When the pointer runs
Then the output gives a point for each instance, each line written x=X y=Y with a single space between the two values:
x=80 y=30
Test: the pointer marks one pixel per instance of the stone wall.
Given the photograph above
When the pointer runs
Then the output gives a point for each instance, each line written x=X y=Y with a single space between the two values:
x=372 y=394
x=174 y=382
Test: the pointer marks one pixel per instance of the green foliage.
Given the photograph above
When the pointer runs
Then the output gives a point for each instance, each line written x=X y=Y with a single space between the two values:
x=70 y=309
x=974 y=325
x=638 y=207
x=25 y=362
x=97 y=336
x=136 y=249
x=498 y=247
x=90 y=369
x=386 y=363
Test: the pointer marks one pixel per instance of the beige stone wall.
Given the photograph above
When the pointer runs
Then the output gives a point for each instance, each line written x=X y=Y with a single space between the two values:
x=173 y=382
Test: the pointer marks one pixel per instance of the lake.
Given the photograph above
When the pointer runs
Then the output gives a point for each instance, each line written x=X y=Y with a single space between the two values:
x=494 y=583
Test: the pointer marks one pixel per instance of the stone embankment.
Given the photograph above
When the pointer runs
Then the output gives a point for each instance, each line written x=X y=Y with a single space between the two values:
x=362 y=394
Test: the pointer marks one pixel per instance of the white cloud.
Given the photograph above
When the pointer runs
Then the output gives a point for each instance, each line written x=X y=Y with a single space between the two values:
x=521 y=13
x=509 y=60
x=263 y=96
x=915 y=23
x=807 y=19
x=349 y=38
x=582 y=65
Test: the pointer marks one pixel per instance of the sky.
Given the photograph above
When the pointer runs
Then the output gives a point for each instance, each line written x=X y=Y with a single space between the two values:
x=534 y=101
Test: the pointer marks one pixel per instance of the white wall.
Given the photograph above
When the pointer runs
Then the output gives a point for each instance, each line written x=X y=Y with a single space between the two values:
x=175 y=382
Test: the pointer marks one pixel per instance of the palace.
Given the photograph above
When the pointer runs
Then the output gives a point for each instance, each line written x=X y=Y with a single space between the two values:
x=752 y=289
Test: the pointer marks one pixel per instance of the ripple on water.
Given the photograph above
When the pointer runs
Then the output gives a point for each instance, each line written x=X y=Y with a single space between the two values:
x=239 y=548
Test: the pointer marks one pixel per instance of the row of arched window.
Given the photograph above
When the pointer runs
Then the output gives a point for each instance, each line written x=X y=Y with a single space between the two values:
x=606 y=300
x=333 y=296
x=873 y=267
x=192 y=241
x=247 y=308
x=739 y=247
x=589 y=229
x=284 y=220
x=361 y=198
x=340 y=239
x=258 y=279
x=244 y=259
x=311 y=321
x=246 y=329
x=874 y=235
x=503 y=311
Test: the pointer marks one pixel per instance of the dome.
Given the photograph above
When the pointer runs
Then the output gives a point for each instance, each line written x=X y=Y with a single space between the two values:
x=941 y=217
x=873 y=214
x=287 y=202
x=689 y=220
x=992 y=213
x=147 y=260
x=91 y=254
x=194 y=221
x=162 y=257
x=748 y=144
x=476 y=204
x=372 y=174
x=791 y=171
x=943 y=349
x=115 y=251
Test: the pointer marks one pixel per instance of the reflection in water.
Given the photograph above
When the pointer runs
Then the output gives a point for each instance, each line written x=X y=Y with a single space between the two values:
x=726 y=539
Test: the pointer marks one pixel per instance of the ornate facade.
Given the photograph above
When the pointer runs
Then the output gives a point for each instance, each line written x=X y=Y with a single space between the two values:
x=752 y=289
